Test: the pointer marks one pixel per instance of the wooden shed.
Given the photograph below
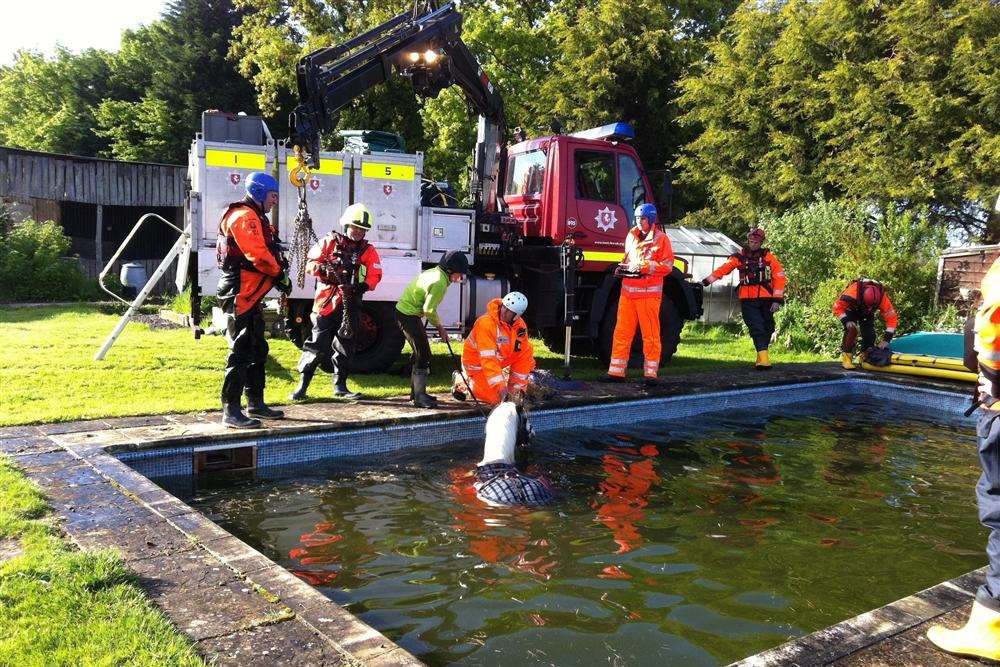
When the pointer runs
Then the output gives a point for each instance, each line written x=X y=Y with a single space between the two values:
x=960 y=272
x=97 y=202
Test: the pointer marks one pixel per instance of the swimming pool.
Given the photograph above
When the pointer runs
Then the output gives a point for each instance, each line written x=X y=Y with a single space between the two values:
x=699 y=540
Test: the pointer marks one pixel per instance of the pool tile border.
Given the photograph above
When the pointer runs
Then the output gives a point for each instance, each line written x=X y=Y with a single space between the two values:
x=276 y=450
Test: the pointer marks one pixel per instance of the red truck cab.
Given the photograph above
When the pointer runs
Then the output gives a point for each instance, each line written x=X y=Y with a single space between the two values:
x=586 y=184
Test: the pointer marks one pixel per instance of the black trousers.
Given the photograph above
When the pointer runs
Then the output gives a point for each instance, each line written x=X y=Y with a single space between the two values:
x=759 y=320
x=416 y=336
x=866 y=325
x=247 y=356
x=326 y=343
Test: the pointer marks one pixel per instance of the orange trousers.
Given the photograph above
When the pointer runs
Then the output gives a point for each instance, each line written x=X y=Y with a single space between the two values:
x=483 y=390
x=644 y=313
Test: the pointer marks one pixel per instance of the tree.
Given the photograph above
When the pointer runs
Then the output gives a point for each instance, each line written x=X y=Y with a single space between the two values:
x=895 y=102
x=167 y=74
x=48 y=104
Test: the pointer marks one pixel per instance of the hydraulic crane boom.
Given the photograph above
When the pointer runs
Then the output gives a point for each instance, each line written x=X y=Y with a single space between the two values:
x=424 y=45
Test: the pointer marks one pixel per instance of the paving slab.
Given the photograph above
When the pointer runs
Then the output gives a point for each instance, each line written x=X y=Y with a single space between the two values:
x=290 y=643
x=202 y=597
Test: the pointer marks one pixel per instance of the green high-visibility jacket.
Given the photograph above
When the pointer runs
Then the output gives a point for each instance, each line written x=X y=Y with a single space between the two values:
x=422 y=296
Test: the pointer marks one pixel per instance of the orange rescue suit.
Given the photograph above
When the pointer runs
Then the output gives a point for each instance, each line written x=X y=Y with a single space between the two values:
x=761 y=274
x=849 y=302
x=327 y=251
x=247 y=249
x=492 y=347
x=986 y=338
x=639 y=303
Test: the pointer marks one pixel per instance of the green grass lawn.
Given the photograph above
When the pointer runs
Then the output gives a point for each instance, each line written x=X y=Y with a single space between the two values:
x=47 y=373
x=59 y=606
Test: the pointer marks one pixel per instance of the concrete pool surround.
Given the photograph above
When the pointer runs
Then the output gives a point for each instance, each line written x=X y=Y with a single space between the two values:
x=239 y=607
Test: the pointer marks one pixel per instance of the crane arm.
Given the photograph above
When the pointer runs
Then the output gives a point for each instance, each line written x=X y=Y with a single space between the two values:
x=424 y=45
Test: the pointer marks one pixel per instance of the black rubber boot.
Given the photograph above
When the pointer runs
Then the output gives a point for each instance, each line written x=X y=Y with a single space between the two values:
x=256 y=407
x=613 y=379
x=418 y=382
x=300 y=392
x=233 y=417
x=340 y=390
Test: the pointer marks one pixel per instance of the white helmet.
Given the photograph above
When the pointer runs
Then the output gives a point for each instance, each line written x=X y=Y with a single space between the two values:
x=516 y=302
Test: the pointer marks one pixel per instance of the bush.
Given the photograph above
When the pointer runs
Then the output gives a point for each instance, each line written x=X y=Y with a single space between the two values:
x=34 y=266
x=828 y=244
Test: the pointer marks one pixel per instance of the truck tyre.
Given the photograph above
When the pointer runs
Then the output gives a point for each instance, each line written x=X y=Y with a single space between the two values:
x=671 y=325
x=555 y=339
x=379 y=338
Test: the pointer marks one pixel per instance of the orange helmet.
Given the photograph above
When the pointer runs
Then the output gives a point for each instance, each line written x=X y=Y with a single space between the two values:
x=756 y=234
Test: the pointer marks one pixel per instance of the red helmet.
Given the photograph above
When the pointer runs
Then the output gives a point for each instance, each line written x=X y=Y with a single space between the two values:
x=871 y=294
x=756 y=234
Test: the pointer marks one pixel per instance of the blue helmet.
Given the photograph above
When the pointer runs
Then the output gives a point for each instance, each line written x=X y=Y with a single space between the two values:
x=647 y=211
x=258 y=185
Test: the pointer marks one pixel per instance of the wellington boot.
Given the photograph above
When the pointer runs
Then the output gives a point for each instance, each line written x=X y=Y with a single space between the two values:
x=300 y=392
x=340 y=390
x=847 y=361
x=763 y=361
x=418 y=381
x=979 y=637
x=256 y=407
x=233 y=417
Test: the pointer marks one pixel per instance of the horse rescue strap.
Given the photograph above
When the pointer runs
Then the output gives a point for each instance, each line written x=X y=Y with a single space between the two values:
x=754 y=269
x=879 y=356
x=502 y=483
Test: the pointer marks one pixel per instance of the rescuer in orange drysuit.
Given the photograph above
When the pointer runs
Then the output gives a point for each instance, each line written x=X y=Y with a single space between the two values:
x=761 y=291
x=249 y=255
x=855 y=308
x=648 y=258
x=498 y=342
x=980 y=636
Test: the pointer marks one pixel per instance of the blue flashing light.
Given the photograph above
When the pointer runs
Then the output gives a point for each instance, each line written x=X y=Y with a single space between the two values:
x=610 y=132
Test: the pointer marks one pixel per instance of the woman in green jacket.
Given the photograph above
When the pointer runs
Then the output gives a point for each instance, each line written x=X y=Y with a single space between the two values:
x=420 y=299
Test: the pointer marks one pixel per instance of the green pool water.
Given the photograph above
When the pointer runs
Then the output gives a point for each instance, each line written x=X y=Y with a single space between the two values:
x=696 y=542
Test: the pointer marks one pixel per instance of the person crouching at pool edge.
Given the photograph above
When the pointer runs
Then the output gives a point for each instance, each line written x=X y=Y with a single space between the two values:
x=980 y=636
x=497 y=357
x=420 y=299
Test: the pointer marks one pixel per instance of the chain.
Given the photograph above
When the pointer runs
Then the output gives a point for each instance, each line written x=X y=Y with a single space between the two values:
x=303 y=238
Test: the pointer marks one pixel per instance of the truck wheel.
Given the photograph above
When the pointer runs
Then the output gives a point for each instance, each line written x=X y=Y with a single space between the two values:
x=379 y=338
x=671 y=325
x=555 y=339
x=297 y=324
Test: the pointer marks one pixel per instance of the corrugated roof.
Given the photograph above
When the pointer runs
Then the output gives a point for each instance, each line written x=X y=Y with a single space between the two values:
x=701 y=241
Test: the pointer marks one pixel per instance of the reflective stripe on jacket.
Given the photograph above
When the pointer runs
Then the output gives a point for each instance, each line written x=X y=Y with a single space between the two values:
x=251 y=234
x=850 y=302
x=655 y=257
x=751 y=265
x=327 y=251
x=987 y=333
x=494 y=345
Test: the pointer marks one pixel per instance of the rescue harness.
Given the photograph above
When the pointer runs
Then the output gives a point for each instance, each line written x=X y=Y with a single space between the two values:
x=754 y=269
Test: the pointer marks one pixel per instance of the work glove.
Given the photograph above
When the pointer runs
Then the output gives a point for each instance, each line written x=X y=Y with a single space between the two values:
x=283 y=284
x=705 y=282
x=358 y=289
x=884 y=344
x=775 y=307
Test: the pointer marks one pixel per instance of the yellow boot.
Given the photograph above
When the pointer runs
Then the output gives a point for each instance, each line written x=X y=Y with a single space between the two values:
x=847 y=361
x=763 y=361
x=979 y=637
